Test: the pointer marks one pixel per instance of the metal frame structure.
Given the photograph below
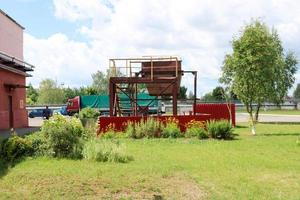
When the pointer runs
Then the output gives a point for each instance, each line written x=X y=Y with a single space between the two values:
x=130 y=79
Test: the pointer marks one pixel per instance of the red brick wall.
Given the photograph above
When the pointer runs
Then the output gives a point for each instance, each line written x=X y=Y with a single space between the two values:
x=20 y=118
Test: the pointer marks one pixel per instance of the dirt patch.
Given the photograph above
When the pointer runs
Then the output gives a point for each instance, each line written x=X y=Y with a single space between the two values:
x=156 y=187
x=175 y=186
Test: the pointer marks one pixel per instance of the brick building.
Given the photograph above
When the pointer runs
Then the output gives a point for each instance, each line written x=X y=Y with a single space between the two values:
x=13 y=73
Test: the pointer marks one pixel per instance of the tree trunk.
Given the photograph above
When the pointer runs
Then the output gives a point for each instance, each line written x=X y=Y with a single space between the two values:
x=252 y=124
x=228 y=104
x=252 y=120
x=257 y=112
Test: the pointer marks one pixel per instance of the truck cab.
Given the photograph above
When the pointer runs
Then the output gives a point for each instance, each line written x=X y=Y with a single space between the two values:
x=73 y=105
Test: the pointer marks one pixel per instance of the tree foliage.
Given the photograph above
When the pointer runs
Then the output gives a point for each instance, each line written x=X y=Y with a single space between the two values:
x=182 y=92
x=50 y=92
x=31 y=95
x=100 y=82
x=297 y=92
x=258 y=70
x=218 y=93
x=208 y=97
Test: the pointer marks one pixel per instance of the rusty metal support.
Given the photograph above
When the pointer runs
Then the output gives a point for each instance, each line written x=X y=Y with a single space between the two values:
x=176 y=67
x=134 y=100
x=135 y=104
x=195 y=91
x=156 y=98
x=174 y=99
x=151 y=69
x=195 y=87
x=112 y=93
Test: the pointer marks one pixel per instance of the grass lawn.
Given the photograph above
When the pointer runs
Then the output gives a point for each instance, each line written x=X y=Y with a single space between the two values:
x=273 y=111
x=266 y=166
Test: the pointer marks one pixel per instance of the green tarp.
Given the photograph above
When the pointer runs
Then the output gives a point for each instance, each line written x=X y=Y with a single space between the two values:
x=95 y=101
x=102 y=101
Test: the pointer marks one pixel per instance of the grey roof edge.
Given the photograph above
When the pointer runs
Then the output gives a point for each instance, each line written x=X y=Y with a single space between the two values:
x=11 y=69
x=25 y=65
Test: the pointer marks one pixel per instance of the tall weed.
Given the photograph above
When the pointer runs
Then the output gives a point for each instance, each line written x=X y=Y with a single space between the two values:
x=105 y=151
x=220 y=129
x=171 y=129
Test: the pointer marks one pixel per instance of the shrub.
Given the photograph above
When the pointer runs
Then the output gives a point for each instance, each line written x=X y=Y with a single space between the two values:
x=88 y=116
x=88 y=113
x=110 y=134
x=196 y=129
x=90 y=131
x=14 y=148
x=63 y=136
x=39 y=144
x=220 y=129
x=171 y=129
x=105 y=151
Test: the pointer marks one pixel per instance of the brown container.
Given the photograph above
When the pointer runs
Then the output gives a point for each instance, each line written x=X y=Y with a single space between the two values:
x=161 y=69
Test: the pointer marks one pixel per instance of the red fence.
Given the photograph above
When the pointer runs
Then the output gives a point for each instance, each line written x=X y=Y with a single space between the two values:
x=119 y=123
x=217 y=111
x=204 y=112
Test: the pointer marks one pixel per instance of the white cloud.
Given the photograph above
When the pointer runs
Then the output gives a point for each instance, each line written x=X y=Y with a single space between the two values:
x=198 y=31
x=73 y=10
x=57 y=57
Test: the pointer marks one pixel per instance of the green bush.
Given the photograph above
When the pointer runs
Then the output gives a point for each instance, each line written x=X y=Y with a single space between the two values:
x=63 y=136
x=39 y=144
x=105 y=151
x=14 y=148
x=196 y=129
x=90 y=131
x=88 y=113
x=110 y=134
x=171 y=129
x=220 y=129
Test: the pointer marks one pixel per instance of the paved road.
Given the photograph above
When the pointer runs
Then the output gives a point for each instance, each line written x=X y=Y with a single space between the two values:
x=37 y=121
x=243 y=117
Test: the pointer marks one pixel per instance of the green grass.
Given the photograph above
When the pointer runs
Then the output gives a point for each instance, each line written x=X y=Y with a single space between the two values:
x=266 y=166
x=274 y=111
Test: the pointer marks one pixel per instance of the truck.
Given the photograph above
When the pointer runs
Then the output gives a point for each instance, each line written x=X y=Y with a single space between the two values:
x=101 y=103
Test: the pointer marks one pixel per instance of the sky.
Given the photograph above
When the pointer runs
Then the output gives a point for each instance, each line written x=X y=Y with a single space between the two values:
x=68 y=40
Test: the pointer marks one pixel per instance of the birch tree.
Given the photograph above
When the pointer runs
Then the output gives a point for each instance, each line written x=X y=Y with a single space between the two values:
x=258 y=70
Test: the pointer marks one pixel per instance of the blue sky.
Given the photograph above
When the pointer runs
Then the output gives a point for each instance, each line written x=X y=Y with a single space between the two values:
x=67 y=40
x=37 y=16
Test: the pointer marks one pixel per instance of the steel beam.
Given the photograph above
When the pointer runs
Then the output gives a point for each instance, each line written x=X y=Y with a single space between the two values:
x=174 y=99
